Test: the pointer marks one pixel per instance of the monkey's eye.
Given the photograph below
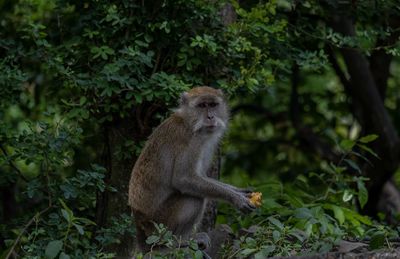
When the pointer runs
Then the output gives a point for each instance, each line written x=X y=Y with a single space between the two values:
x=212 y=105
x=202 y=105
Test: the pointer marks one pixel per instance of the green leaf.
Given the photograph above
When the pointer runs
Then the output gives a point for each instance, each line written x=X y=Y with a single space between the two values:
x=82 y=100
x=268 y=249
x=265 y=252
x=308 y=228
x=64 y=205
x=302 y=179
x=64 y=256
x=298 y=236
x=362 y=193
x=368 y=150
x=148 y=38
x=353 y=165
x=108 y=50
x=276 y=235
x=293 y=200
x=347 y=144
x=276 y=223
x=303 y=213
x=138 y=98
x=248 y=251
x=79 y=228
x=53 y=248
x=368 y=138
x=66 y=215
x=377 y=241
x=251 y=241
x=198 y=254
x=152 y=240
x=356 y=218
x=338 y=213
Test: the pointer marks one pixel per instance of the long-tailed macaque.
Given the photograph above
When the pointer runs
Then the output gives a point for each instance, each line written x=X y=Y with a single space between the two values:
x=169 y=184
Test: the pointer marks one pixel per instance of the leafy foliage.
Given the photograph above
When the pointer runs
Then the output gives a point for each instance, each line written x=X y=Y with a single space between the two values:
x=173 y=245
x=71 y=69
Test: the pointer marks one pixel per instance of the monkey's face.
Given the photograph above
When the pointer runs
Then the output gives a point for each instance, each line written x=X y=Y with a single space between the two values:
x=209 y=114
x=205 y=109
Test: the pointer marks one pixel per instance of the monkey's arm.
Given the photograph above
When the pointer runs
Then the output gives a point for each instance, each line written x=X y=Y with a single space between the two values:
x=237 y=189
x=205 y=187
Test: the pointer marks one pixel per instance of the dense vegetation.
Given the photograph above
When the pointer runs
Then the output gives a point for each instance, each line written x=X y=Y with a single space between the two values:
x=314 y=90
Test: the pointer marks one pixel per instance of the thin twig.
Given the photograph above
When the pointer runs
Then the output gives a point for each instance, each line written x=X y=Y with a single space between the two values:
x=38 y=215
x=24 y=229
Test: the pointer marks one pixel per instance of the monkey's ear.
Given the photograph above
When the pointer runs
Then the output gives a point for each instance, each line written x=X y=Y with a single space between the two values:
x=184 y=98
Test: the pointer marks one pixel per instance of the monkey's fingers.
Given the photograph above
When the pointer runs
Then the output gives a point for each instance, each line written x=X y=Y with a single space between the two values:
x=248 y=194
x=246 y=190
x=247 y=208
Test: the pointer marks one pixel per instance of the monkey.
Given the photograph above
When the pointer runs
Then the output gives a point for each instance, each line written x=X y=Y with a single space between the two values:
x=168 y=183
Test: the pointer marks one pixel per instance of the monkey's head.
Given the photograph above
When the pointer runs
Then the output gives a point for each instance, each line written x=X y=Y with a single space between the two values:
x=204 y=109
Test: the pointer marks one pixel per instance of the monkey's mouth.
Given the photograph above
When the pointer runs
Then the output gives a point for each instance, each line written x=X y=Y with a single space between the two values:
x=210 y=127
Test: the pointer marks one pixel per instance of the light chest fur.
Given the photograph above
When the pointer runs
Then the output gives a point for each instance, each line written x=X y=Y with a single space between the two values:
x=204 y=147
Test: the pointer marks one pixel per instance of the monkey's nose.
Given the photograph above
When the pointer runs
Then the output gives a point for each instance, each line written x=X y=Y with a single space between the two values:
x=210 y=117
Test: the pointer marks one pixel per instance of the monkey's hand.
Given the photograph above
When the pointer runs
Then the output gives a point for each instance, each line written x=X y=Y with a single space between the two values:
x=244 y=190
x=243 y=203
x=203 y=240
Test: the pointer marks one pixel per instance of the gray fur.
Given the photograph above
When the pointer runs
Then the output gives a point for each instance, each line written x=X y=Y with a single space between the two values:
x=169 y=183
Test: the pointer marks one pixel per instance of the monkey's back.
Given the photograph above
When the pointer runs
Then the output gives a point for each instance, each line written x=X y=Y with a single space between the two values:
x=154 y=167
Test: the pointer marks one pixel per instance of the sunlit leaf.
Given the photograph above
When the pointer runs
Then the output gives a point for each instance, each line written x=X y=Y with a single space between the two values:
x=368 y=138
x=347 y=196
x=338 y=213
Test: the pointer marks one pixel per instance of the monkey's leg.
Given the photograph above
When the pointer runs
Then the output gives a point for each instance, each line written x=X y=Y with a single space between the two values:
x=181 y=213
x=185 y=214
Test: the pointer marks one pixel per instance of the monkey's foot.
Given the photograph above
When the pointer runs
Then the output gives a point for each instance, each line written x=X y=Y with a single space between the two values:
x=203 y=240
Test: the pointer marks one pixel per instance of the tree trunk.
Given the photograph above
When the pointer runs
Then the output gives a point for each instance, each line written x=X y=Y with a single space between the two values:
x=375 y=118
x=119 y=167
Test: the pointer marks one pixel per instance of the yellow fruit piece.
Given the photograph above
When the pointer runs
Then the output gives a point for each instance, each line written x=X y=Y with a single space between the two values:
x=255 y=199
